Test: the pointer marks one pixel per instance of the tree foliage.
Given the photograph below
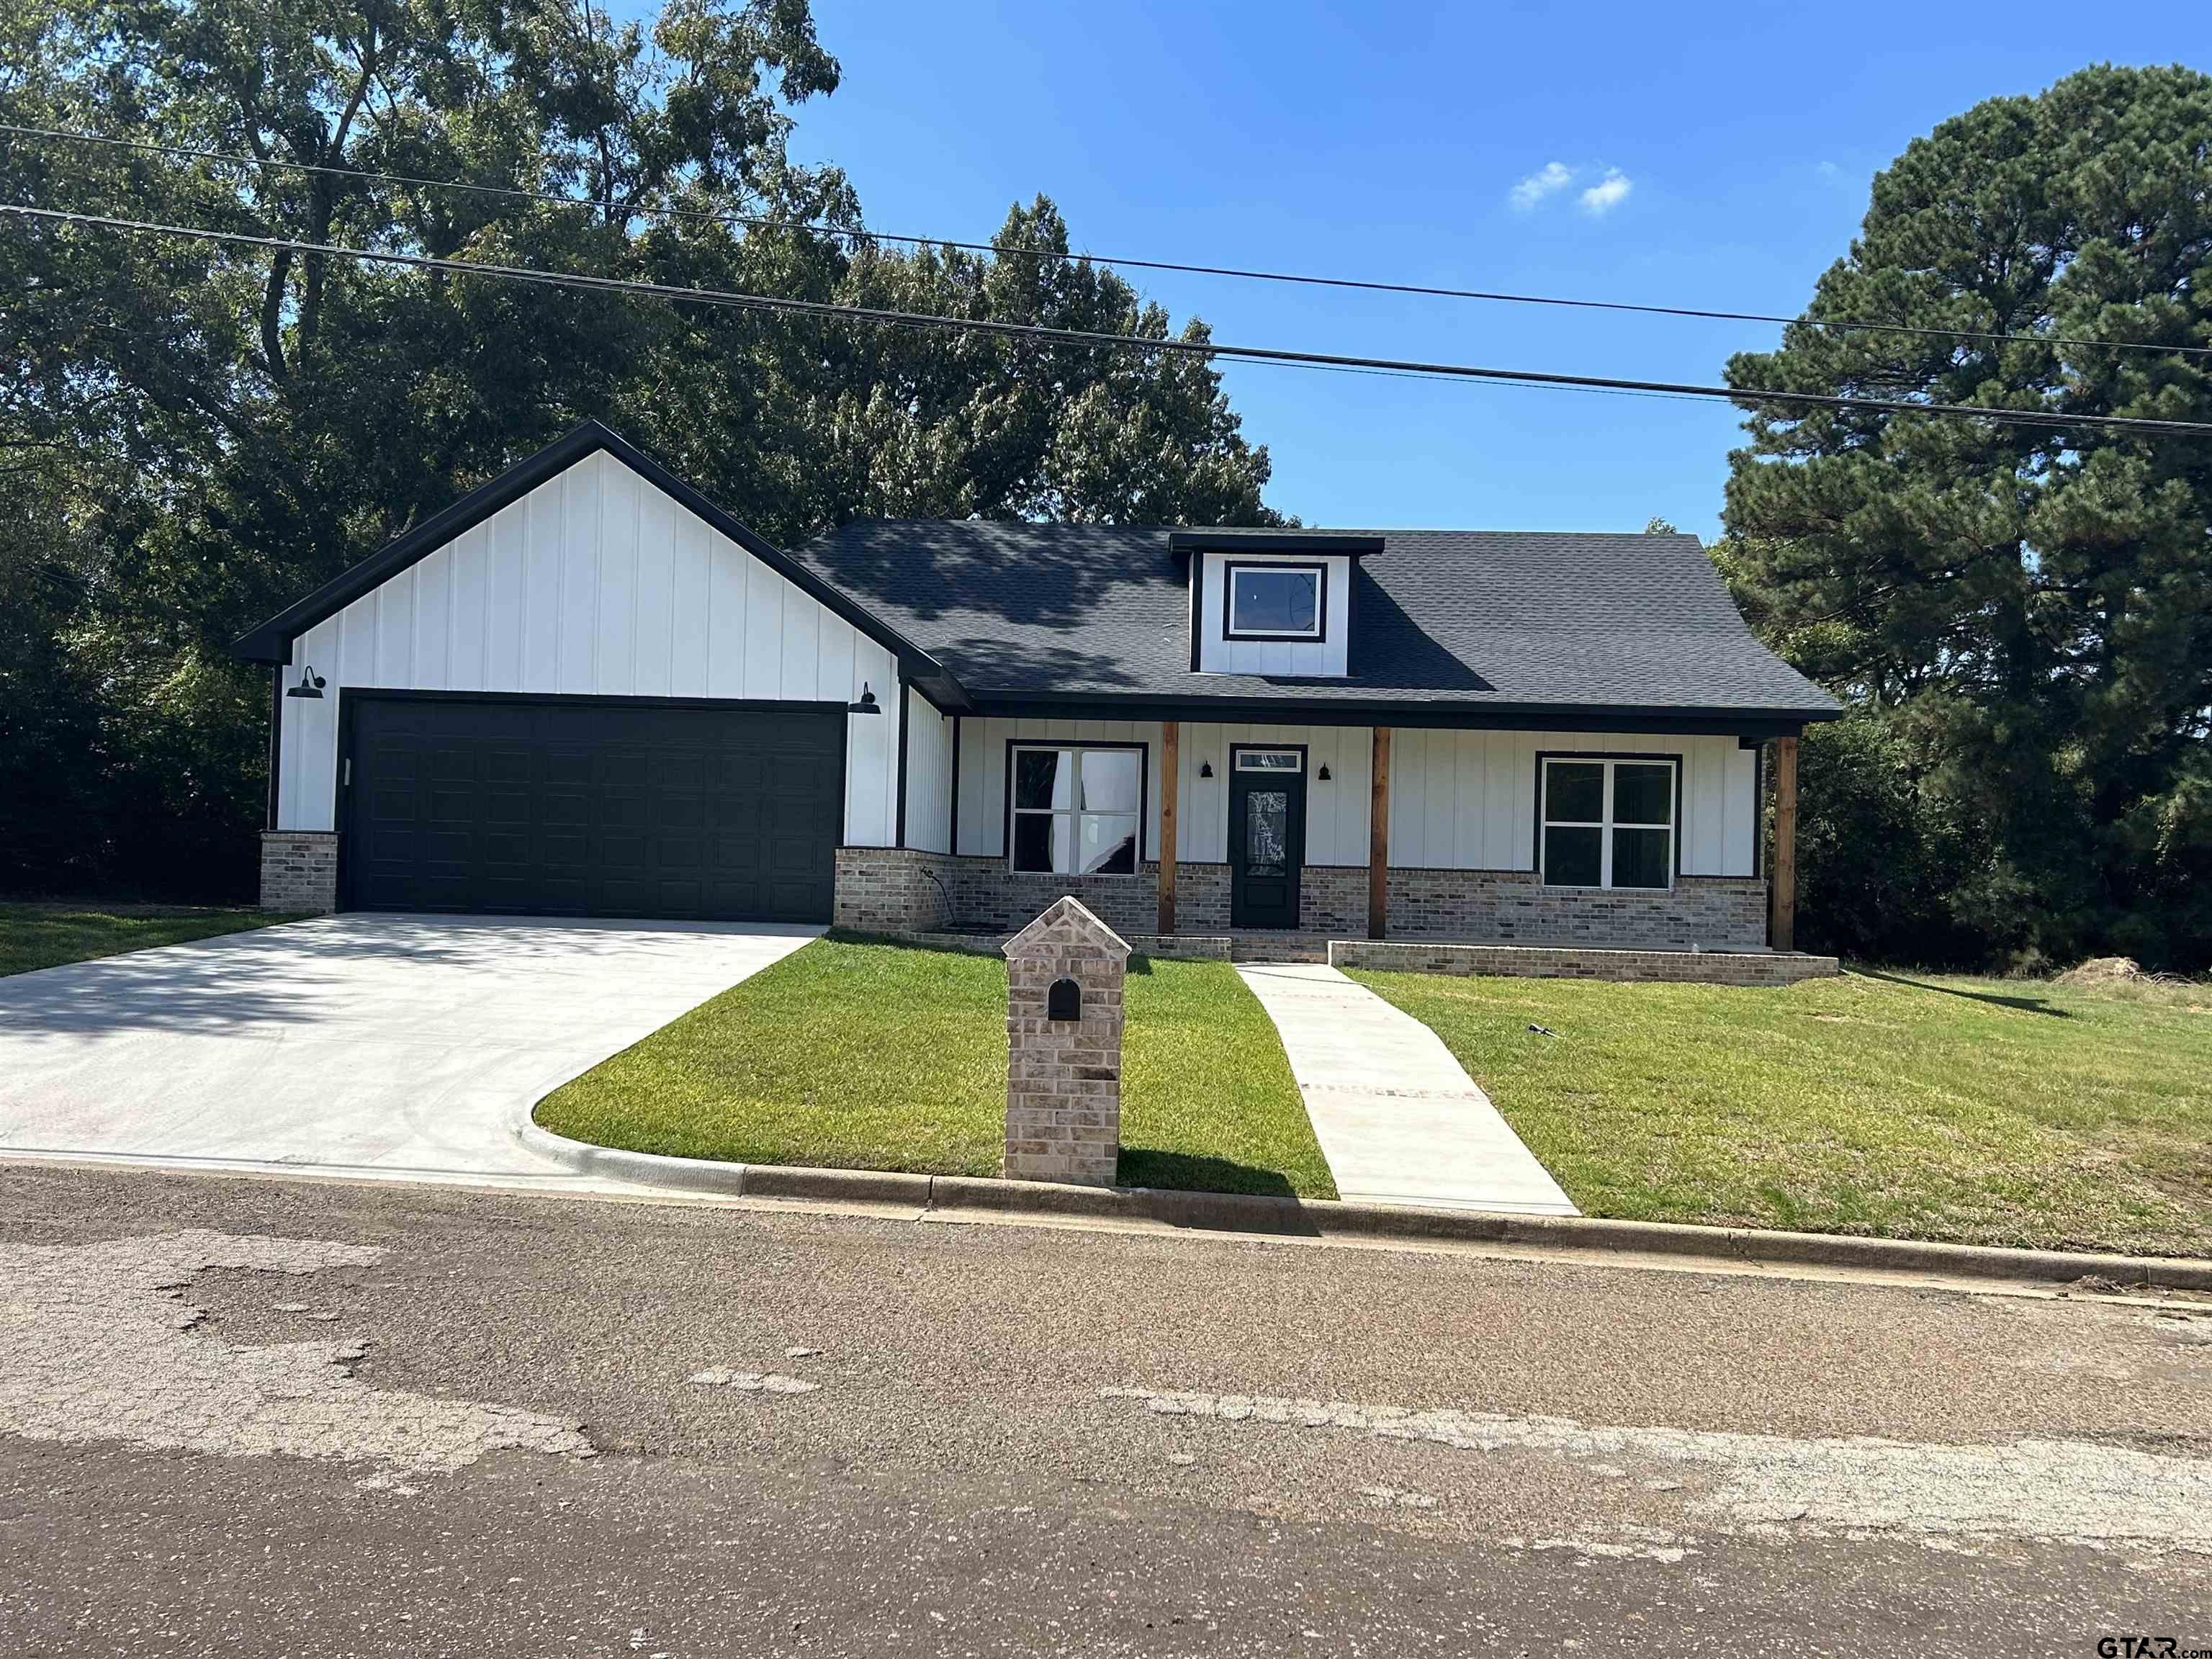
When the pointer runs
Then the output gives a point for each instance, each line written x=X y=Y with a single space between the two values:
x=2021 y=614
x=194 y=435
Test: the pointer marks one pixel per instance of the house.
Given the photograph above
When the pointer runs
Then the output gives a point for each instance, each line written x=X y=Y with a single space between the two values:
x=584 y=689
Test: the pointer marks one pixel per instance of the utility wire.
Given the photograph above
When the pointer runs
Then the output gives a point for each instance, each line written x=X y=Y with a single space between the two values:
x=765 y=302
x=762 y=221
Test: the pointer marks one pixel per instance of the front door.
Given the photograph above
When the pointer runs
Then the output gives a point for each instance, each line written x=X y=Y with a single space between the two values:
x=1267 y=836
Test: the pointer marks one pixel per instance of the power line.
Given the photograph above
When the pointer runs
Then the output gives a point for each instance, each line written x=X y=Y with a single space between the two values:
x=763 y=221
x=917 y=319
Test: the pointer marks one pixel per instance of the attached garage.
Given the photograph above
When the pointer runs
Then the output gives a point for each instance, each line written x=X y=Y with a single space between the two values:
x=590 y=807
x=581 y=690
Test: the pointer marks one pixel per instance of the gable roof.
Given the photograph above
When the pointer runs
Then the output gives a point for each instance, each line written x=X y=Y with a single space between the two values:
x=1447 y=625
x=272 y=640
x=1443 y=620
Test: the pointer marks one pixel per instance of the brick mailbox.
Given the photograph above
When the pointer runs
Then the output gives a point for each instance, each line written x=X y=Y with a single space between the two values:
x=1064 y=974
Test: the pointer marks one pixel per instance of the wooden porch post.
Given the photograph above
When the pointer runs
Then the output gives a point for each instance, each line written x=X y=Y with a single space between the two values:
x=1783 y=891
x=1378 y=838
x=1170 y=746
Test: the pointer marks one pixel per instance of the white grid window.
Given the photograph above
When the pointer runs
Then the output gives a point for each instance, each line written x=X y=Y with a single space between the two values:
x=1076 y=811
x=1608 y=823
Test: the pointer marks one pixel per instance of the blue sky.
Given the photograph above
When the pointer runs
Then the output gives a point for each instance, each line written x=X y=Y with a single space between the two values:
x=1387 y=140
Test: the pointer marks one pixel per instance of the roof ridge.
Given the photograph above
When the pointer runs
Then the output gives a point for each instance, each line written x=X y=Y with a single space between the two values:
x=1657 y=537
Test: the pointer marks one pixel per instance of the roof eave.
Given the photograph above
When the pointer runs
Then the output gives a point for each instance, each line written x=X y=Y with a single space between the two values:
x=1185 y=542
x=1011 y=702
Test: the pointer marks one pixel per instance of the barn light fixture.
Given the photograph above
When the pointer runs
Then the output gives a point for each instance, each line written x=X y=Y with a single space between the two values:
x=868 y=704
x=1205 y=769
x=311 y=683
x=1324 y=772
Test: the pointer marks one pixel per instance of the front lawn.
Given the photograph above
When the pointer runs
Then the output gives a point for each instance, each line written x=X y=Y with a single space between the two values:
x=34 y=935
x=859 y=1053
x=1991 y=1111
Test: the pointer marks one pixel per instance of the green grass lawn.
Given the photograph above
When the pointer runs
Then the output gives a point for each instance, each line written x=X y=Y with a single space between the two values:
x=1993 y=1111
x=33 y=935
x=864 y=1055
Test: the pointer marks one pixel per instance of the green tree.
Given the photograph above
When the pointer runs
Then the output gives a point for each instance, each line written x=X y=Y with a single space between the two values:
x=2023 y=613
x=199 y=433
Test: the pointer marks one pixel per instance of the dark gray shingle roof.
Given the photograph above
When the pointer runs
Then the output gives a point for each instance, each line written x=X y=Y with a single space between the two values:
x=1524 y=619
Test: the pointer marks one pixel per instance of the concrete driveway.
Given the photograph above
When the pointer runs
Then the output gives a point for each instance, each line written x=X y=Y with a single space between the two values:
x=398 y=1045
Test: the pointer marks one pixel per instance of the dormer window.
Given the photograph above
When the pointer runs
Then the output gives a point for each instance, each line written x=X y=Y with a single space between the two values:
x=1276 y=601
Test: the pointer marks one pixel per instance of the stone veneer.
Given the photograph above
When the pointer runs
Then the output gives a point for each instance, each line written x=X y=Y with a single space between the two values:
x=1576 y=962
x=300 y=869
x=883 y=891
x=1064 y=1076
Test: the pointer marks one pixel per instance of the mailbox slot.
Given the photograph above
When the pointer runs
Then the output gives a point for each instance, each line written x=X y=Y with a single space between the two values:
x=1064 y=1001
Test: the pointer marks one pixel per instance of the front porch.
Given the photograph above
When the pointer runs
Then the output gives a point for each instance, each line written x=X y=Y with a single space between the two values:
x=1444 y=847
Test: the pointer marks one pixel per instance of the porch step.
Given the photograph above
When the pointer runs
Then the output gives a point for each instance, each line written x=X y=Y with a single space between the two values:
x=1279 y=947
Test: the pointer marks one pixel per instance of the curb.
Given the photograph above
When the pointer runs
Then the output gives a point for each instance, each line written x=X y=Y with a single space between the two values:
x=1264 y=1216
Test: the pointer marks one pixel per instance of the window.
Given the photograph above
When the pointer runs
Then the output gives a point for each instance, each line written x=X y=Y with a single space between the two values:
x=1076 y=811
x=1276 y=601
x=1270 y=760
x=1608 y=823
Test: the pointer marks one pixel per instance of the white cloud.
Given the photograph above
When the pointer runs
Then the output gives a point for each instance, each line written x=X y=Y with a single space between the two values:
x=1552 y=177
x=1608 y=193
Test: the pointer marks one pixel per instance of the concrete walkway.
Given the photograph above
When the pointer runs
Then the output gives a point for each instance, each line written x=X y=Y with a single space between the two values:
x=382 y=1045
x=1398 y=1119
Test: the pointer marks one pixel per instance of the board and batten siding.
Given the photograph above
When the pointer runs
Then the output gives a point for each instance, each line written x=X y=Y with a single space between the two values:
x=594 y=583
x=1219 y=655
x=1467 y=800
x=1459 y=799
x=928 y=776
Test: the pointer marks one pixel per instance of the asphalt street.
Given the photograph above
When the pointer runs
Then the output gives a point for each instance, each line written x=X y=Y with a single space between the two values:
x=258 y=1416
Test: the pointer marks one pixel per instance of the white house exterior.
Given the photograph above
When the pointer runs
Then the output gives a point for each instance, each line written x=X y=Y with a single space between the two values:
x=585 y=689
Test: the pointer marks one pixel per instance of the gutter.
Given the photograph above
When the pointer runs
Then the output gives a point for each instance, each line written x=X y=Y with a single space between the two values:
x=1624 y=1243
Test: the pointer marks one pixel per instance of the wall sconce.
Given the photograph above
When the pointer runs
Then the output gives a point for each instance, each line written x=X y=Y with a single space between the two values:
x=1205 y=769
x=311 y=683
x=1324 y=772
x=867 y=705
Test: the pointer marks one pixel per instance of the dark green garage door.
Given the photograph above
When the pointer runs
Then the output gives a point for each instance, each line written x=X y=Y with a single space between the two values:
x=563 y=806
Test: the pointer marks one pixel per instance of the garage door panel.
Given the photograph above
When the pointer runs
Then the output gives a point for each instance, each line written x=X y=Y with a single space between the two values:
x=545 y=806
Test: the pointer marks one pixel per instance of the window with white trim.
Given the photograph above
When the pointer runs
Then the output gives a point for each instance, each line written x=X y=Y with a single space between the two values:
x=1276 y=601
x=1076 y=811
x=1607 y=822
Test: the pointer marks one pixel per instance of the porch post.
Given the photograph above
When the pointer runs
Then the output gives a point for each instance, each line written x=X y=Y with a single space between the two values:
x=1378 y=838
x=1170 y=746
x=1782 y=892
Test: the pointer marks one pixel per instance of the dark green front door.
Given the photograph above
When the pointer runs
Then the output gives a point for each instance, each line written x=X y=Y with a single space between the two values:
x=1267 y=836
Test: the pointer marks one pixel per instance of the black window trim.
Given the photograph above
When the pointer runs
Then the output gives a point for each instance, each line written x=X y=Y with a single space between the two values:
x=1544 y=757
x=1317 y=567
x=1144 y=804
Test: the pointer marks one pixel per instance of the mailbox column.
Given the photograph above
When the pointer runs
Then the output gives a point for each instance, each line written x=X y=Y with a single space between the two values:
x=1064 y=975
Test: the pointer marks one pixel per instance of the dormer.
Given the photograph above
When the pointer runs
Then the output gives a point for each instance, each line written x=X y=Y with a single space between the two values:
x=1273 y=602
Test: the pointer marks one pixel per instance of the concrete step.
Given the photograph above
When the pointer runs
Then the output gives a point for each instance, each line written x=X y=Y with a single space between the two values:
x=1282 y=947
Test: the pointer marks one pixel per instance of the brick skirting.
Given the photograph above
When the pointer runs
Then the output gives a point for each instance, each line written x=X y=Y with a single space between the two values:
x=1698 y=913
x=883 y=889
x=891 y=889
x=1570 y=962
x=300 y=869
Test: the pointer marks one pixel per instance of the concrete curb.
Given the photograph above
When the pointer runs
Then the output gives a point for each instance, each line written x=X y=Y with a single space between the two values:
x=1246 y=1213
